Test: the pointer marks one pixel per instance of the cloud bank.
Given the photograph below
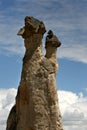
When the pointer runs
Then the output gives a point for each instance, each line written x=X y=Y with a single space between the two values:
x=73 y=109
x=7 y=99
x=72 y=106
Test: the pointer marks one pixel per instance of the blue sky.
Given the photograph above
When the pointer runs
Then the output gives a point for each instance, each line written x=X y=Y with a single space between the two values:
x=67 y=19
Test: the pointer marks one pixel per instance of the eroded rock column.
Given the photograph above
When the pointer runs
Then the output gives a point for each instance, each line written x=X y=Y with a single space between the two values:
x=36 y=105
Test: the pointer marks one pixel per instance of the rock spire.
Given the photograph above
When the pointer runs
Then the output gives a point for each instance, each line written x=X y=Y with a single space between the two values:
x=36 y=106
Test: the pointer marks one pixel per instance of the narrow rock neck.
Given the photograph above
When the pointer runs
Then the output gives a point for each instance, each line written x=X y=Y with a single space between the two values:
x=51 y=52
x=33 y=46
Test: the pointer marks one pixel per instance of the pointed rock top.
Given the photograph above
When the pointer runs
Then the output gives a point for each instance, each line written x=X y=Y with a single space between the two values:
x=32 y=26
x=52 y=40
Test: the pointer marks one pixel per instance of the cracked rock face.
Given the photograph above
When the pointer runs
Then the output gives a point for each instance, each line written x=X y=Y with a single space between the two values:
x=36 y=106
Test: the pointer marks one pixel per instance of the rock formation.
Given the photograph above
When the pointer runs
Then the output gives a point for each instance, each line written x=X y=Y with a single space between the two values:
x=36 y=106
x=52 y=43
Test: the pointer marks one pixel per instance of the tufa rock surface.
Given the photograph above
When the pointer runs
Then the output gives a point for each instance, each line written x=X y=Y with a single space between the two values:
x=36 y=106
x=52 y=43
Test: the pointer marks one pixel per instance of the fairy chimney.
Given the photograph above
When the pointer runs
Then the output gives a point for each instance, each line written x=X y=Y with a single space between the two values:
x=36 y=106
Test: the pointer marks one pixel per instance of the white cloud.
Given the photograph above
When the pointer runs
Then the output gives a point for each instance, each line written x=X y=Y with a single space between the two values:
x=73 y=109
x=76 y=52
x=7 y=99
x=72 y=106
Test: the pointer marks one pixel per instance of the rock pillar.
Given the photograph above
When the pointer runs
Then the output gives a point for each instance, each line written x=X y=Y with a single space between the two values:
x=36 y=106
